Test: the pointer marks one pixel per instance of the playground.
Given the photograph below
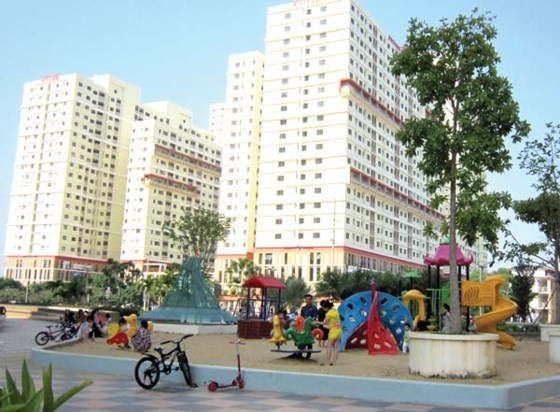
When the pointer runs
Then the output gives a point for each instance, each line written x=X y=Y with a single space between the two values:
x=529 y=360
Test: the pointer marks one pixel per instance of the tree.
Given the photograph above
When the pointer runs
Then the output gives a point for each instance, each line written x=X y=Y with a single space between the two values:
x=296 y=289
x=521 y=284
x=330 y=283
x=9 y=283
x=242 y=267
x=197 y=233
x=453 y=69
x=541 y=158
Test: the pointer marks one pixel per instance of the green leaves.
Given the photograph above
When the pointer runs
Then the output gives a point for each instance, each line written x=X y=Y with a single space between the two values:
x=453 y=68
x=30 y=400
x=197 y=232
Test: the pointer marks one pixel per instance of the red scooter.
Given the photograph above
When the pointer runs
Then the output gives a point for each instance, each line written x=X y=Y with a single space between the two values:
x=213 y=386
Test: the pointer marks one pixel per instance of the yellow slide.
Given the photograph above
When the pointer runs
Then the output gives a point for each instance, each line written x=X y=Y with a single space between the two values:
x=487 y=293
x=416 y=296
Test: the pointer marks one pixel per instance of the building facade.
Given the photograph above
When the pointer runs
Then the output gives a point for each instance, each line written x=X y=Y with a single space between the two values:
x=68 y=190
x=172 y=166
x=236 y=127
x=335 y=187
x=97 y=174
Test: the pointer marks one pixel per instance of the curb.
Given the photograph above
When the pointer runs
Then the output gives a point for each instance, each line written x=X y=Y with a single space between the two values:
x=368 y=389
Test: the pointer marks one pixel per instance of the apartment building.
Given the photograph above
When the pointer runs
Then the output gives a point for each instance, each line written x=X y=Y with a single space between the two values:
x=335 y=188
x=172 y=166
x=543 y=306
x=236 y=126
x=68 y=189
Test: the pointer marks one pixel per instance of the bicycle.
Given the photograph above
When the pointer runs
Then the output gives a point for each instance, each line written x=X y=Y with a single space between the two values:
x=149 y=368
x=62 y=331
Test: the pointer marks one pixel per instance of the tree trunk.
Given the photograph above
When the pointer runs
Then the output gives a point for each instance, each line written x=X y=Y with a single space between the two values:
x=455 y=306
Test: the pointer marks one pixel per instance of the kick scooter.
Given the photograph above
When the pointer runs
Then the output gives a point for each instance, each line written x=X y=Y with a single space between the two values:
x=213 y=386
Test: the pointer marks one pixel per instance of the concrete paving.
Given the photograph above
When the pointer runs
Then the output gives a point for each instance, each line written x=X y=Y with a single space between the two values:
x=110 y=392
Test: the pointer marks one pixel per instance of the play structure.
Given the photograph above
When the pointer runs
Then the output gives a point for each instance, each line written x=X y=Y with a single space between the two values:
x=487 y=293
x=302 y=331
x=373 y=320
x=418 y=299
x=254 y=323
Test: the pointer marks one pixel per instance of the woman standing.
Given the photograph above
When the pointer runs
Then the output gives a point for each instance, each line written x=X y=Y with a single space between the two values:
x=332 y=323
x=321 y=313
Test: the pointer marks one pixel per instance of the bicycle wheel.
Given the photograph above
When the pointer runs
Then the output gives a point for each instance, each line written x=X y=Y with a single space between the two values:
x=185 y=368
x=147 y=372
x=42 y=338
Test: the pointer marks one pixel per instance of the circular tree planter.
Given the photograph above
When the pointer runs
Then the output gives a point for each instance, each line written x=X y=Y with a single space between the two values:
x=452 y=356
x=554 y=347
x=547 y=329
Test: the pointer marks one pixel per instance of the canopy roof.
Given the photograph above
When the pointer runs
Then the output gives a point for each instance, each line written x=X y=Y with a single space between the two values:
x=264 y=282
x=441 y=257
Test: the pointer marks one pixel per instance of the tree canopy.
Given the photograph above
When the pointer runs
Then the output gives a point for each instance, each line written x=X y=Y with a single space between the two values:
x=197 y=233
x=540 y=158
x=453 y=69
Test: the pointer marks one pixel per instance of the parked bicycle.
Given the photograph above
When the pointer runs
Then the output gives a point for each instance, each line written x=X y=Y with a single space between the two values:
x=149 y=368
x=59 y=332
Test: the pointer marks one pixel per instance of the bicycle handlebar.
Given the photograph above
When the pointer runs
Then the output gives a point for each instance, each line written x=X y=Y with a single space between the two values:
x=178 y=341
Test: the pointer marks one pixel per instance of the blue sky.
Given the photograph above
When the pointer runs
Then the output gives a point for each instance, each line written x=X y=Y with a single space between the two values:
x=177 y=50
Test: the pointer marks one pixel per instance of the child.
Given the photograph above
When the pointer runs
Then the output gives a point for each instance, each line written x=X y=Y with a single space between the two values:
x=141 y=341
x=86 y=329
x=406 y=340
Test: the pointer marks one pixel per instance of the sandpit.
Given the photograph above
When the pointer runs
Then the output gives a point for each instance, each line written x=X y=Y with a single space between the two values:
x=528 y=360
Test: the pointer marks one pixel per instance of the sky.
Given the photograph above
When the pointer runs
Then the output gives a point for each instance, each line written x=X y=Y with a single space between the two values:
x=177 y=50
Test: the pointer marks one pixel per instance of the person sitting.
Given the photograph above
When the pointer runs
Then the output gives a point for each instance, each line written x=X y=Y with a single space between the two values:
x=141 y=341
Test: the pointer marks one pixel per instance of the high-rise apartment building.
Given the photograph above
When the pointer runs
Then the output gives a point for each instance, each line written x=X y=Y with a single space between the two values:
x=68 y=190
x=236 y=126
x=172 y=165
x=335 y=187
x=97 y=174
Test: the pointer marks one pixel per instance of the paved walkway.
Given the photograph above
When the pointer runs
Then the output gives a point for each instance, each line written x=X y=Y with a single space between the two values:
x=117 y=393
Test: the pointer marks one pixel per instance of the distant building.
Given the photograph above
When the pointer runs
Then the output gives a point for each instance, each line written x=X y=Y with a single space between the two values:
x=172 y=165
x=542 y=306
x=96 y=175
x=68 y=189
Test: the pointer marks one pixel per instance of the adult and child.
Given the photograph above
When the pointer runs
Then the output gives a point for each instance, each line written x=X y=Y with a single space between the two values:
x=328 y=319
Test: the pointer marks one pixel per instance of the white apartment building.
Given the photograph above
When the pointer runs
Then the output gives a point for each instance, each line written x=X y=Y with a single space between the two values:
x=236 y=126
x=543 y=304
x=335 y=188
x=172 y=166
x=67 y=198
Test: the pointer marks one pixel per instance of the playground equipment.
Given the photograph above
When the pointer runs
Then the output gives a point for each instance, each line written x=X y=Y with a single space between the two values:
x=301 y=331
x=420 y=299
x=487 y=293
x=363 y=322
x=213 y=386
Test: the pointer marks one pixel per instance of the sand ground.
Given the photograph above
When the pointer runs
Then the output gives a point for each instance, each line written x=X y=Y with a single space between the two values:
x=528 y=360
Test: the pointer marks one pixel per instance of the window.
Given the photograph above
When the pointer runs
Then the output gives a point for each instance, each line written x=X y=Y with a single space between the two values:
x=318 y=175
x=316 y=235
x=281 y=150
x=280 y=178
x=278 y=221
x=281 y=164
x=317 y=205
x=278 y=236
